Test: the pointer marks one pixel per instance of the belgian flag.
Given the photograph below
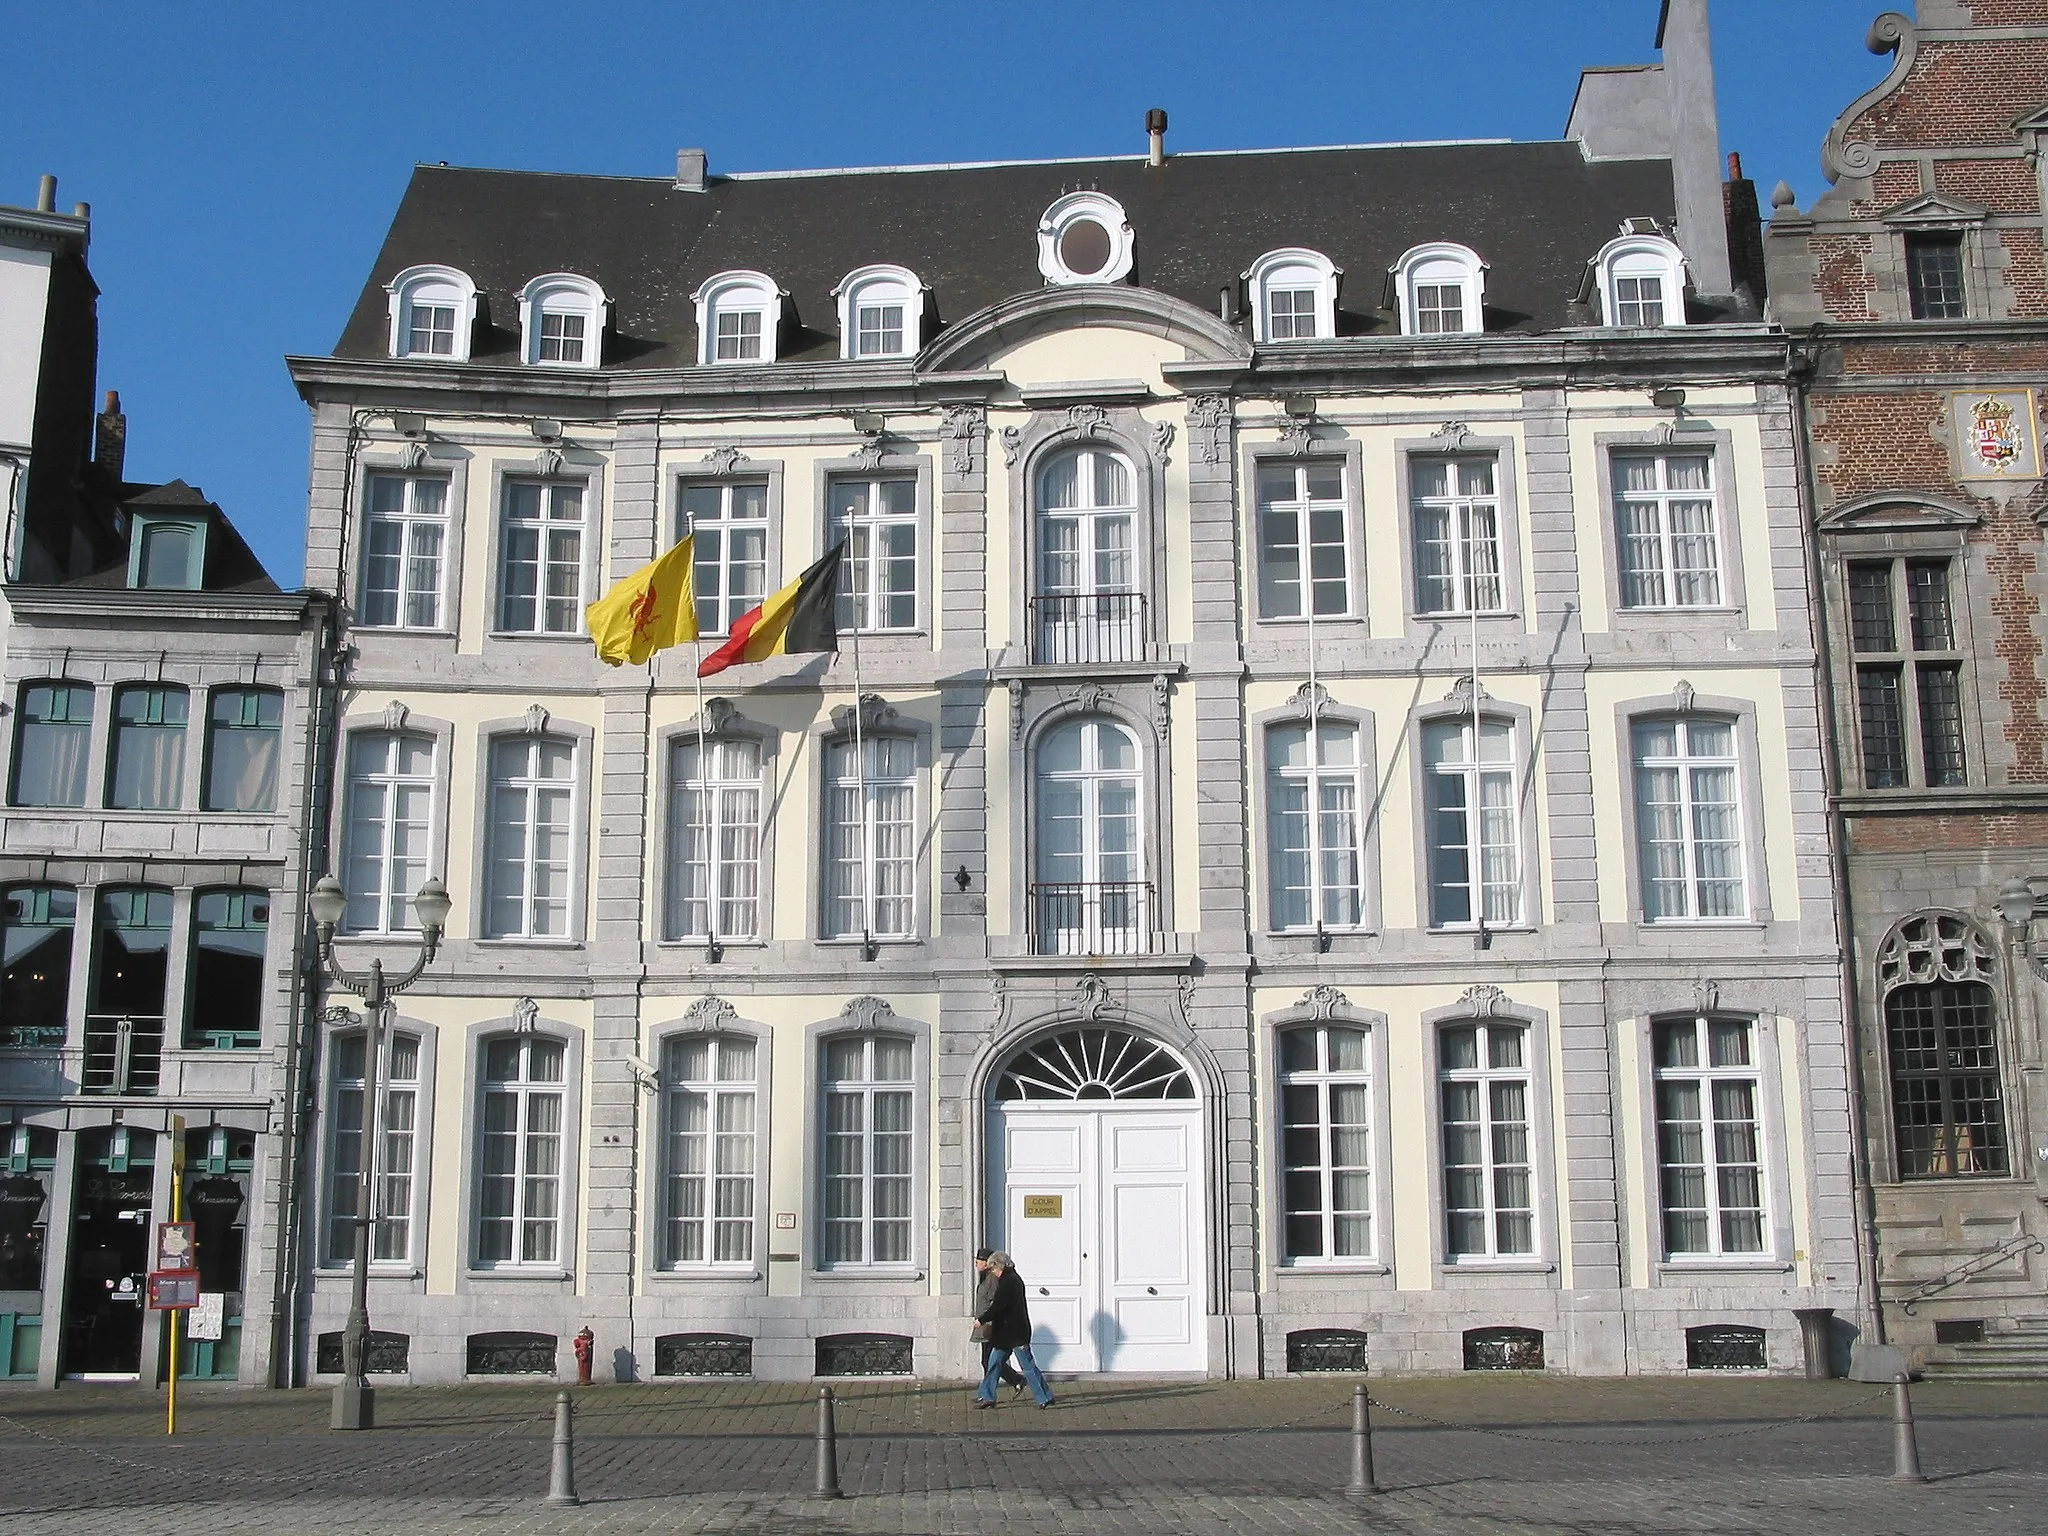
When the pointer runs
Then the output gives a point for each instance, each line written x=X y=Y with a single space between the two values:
x=803 y=616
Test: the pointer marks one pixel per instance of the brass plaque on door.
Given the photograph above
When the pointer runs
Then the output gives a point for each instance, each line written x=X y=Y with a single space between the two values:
x=1042 y=1205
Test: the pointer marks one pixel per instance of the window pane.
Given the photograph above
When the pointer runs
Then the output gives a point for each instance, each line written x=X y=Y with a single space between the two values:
x=52 y=744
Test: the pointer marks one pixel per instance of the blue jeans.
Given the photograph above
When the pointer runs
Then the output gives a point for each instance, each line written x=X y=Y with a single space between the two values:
x=1033 y=1378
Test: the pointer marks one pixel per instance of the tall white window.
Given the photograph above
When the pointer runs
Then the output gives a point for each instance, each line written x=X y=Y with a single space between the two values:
x=533 y=809
x=1440 y=289
x=737 y=317
x=1088 y=893
x=1474 y=823
x=1670 y=544
x=1489 y=1194
x=561 y=317
x=870 y=1141
x=432 y=312
x=871 y=840
x=390 y=828
x=729 y=521
x=519 y=1163
x=1302 y=538
x=1642 y=281
x=1709 y=1153
x=1326 y=1132
x=878 y=521
x=714 y=839
x=1457 y=535
x=404 y=536
x=708 y=1178
x=1689 y=818
x=1317 y=833
x=880 y=308
x=391 y=1232
x=540 y=587
x=1087 y=607
x=1293 y=296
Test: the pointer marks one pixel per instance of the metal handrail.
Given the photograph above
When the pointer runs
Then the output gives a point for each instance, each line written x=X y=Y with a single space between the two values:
x=1091 y=917
x=123 y=1053
x=1971 y=1267
x=1086 y=627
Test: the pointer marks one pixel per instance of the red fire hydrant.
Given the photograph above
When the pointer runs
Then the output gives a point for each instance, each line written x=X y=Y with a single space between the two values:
x=585 y=1345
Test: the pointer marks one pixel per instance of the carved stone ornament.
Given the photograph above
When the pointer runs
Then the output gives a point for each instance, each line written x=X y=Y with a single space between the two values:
x=1016 y=687
x=1295 y=433
x=724 y=460
x=1706 y=994
x=875 y=712
x=719 y=714
x=1162 y=702
x=394 y=716
x=1461 y=693
x=869 y=455
x=1013 y=444
x=1162 y=439
x=965 y=425
x=1088 y=420
x=869 y=1013
x=1452 y=435
x=536 y=719
x=1309 y=700
x=415 y=453
x=1088 y=698
x=1482 y=1002
x=550 y=461
x=1209 y=427
x=1323 y=1001
x=525 y=1015
x=713 y=1013
x=1091 y=997
x=998 y=991
x=1185 y=986
x=1681 y=696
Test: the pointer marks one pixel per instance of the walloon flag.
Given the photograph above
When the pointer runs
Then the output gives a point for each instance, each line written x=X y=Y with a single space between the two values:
x=803 y=616
x=648 y=611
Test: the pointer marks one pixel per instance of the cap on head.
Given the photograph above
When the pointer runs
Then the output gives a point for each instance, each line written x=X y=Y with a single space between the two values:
x=981 y=1255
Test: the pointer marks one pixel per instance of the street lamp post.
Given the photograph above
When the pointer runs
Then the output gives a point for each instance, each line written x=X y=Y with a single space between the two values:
x=354 y=1402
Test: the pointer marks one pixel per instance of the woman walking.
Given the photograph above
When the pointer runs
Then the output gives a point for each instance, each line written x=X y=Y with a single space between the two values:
x=1008 y=1316
x=985 y=1292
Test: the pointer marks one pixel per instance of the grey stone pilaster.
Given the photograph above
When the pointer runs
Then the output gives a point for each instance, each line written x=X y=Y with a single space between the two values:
x=636 y=498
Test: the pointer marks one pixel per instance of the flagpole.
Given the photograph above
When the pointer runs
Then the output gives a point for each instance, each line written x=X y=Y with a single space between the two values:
x=712 y=949
x=1480 y=939
x=860 y=760
x=1315 y=740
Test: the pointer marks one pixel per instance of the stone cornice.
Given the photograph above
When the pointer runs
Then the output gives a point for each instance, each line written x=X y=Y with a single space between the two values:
x=70 y=604
x=38 y=230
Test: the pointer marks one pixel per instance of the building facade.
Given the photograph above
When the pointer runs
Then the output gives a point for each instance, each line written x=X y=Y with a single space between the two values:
x=1915 y=286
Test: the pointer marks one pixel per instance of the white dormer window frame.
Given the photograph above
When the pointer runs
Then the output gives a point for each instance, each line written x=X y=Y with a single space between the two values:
x=1624 y=268
x=739 y=319
x=1293 y=293
x=433 y=313
x=1083 y=237
x=868 y=294
x=1423 y=279
x=561 y=321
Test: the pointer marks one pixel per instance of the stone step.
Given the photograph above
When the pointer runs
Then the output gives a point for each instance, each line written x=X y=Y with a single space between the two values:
x=1986 y=1370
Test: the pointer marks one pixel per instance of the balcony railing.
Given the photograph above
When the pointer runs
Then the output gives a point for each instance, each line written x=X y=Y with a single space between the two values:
x=1088 y=627
x=1092 y=917
x=123 y=1053
x=33 y=1037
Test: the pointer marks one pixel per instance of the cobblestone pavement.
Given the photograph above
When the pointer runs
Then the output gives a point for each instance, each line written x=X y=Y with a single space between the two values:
x=1178 y=1458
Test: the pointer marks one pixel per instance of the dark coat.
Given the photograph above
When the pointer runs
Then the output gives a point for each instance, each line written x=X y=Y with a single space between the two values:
x=1008 y=1315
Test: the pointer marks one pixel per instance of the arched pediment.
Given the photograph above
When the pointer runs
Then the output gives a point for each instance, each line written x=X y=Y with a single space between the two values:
x=1902 y=511
x=980 y=336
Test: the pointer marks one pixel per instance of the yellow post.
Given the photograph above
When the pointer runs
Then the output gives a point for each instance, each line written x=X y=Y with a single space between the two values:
x=177 y=1214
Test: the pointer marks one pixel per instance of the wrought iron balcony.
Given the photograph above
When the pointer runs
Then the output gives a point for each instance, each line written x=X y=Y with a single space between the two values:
x=1092 y=917
x=123 y=1053
x=1088 y=628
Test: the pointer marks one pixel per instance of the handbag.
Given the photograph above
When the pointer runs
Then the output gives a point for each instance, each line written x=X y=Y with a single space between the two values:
x=979 y=1333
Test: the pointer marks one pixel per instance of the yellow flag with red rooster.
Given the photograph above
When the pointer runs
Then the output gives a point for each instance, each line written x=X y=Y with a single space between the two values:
x=650 y=610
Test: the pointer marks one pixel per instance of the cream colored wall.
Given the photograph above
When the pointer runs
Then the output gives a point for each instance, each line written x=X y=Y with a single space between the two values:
x=1792 y=1082
x=24 y=306
x=1088 y=352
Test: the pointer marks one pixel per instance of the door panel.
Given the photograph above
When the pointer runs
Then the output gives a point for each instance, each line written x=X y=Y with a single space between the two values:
x=1046 y=1161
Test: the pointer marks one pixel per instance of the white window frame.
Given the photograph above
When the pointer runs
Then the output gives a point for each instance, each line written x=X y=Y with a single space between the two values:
x=1633 y=257
x=1658 y=503
x=1707 y=1126
x=414 y=584
x=1433 y=266
x=738 y=292
x=891 y=880
x=1472 y=778
x=726 y=605
x=878 y=287
x=546 y=564
x=398 y=1144
x=1099 y=922
x=1459 y=508
x=392 y=893
x=1077 y=207
x=724 y=898
x=1312 y=779
x=862 y=594
x=716 y=1092
x=1685 y=762
x=1486 y=1077
x=524 y=1093
x=438 y=286
x=1090 y=630
x=1293 y=269
x=532 y=790
x=865 y=1090
x=562 y=294
x=1321 y=1080
x=1304 y=508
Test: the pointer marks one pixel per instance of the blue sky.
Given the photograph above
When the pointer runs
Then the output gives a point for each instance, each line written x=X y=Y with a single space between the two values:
x=243 y=160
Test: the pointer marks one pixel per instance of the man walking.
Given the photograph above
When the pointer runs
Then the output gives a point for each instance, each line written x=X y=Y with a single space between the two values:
x=1008 y=1316
x=984 y=1293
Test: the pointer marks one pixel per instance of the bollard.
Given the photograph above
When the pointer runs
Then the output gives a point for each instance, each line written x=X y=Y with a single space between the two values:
x=828 y=1450
x=562 y=1464
x=1363 y=1482
x=1905 y=1444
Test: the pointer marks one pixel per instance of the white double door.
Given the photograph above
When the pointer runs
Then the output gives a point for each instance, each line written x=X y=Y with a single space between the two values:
x=1102 y=1210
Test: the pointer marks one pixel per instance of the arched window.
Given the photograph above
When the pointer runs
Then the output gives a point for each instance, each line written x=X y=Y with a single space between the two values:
x=433 y=313
x=52 y=744
x=36 y=924
x=714 y=839
x=1293 y=296
x=1095 y=1063
x=1326 y=1141
x=148 y=770
x=1084 y=238
x=1087 y=606
x=561 y=321
x=708 y=1104
x=244 y=741
x=1317 y=834
x=1936 y=972
x=1440 y=290
x=739 y=315
x=1642 y=282
x=520 y=1153
x=397 y=1122
x=1089 y=894
x=881 y=312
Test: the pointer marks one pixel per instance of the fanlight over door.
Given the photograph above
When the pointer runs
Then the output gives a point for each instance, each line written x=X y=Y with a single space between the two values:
x=1093 y=1064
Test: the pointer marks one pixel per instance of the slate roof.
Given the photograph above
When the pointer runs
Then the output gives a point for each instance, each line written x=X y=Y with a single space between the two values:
x=1535 y=212
x=231 y=566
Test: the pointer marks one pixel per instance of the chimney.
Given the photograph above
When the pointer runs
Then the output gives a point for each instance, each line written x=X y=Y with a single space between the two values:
x=1688 y=49
x=110 y=442
x=690 y=173
x=46 y=195
x=1155 y=133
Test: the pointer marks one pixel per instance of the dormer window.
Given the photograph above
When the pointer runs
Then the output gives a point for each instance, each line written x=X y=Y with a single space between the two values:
x=561 y=318
x=1642 y=282
x=1439 y=290
x=166 y=554
x=433 y=313
x=1293 y=296
x=881 y=312
x=1084 y=238
x=738 y=317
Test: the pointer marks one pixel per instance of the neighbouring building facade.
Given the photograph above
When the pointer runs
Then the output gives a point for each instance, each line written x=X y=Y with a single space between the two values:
x=1915 y=288
x=1313 y=837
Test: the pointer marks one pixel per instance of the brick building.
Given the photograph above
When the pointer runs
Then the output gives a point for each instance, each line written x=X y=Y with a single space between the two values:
x=1915 y=291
